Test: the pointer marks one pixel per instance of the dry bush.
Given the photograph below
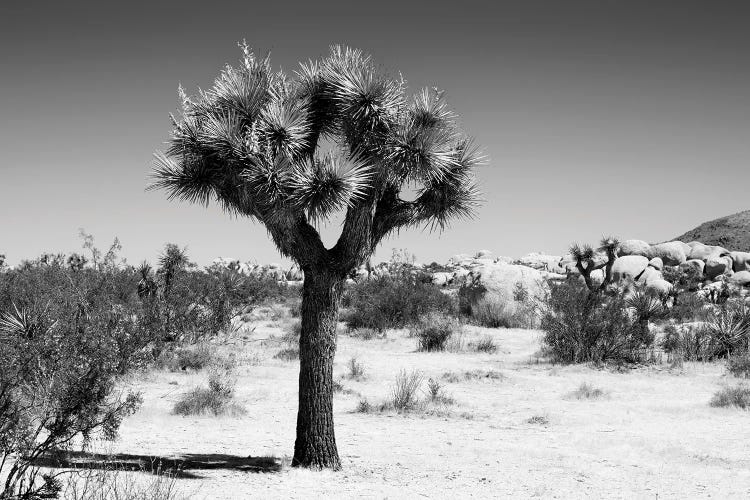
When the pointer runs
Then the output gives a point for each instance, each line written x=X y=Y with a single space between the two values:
x=356 y=369
x=393 y=302
x=364 y=333
x=119 y=484
x=739 y=365
x=586 y=391
x=191 y=357
x=485 y=344
x=287 y=354
x=453 y=377
x=435 y=393
x=217 y=398
x=538 y=420
x=404 y=391
x=434 y=330
x=494 y=312
x=580 y=326
x=737 y=397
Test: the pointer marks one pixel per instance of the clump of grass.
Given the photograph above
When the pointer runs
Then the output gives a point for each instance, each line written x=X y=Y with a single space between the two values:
x=404 y=391
x=485 y=344
x=292 y=332
x=121 y=484
x=453 y=377
x=192 y=357
x=287 y=354
x=364 y=333
x=404 y=397
x=339 y=388
x=216 y=399
x=739 y=366
x=434 y=330
x=364 y=406
x=538 y=420
x=356 y=369
x=435 y=393
x=586 y=391
x=493 y=312
x=737 y=397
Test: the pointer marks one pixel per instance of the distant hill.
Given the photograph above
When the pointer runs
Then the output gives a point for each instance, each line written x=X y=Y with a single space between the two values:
x=731 y=232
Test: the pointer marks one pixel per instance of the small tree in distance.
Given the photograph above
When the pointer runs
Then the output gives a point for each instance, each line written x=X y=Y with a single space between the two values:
x=252 y=143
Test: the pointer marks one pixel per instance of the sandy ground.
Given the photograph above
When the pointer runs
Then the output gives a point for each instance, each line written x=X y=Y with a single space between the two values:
x=652 y=436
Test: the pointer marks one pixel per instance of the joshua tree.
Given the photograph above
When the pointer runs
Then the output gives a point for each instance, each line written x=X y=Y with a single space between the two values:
x=587 y=260
x=255 y=143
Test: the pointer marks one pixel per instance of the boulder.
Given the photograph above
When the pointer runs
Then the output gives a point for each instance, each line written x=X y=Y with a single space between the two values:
x=650 y=274
x=628 y=267
x=460 y=275
x=634 y=247
x=741 y=278
x=483 y=254
x=541 y=262
x=660 y=287
x=740 y=261
x=671 y=253
x=702 y=252
x=501 y=281
x=442 y=279
x=716 y=266
x=597 y=277
x=456 y=260
x=656 y=263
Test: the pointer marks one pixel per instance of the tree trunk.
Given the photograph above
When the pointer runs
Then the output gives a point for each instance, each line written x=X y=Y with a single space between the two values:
x=316 y=443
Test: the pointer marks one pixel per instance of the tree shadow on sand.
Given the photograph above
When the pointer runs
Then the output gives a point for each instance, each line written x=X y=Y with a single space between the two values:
x=181 y=466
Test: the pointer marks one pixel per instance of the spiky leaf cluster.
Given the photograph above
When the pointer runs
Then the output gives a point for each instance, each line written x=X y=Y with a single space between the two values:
x=253 y=142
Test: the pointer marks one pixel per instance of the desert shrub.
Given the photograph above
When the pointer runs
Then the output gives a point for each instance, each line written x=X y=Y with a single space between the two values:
x=190 y=357
x=492 y=312
x=739 y=365
x=538 y=420
x=404 y=393
x=454 y=377
x=586 y=391
x=496 y=311
x=364 y=406
x=393 y=302
x=687 y=307
x=485 y=344
x=216 y=398
x=738 y=397
x=114 y=483
x=435 y=393
x=193 y=303
x=288 y=354
x=199 y=401
x=356 y=369
x=581 y=326
x=67 y=337
x=457 y=341
x=364 y=333
x=729 y=328
x=687 y=342
x=434 y=330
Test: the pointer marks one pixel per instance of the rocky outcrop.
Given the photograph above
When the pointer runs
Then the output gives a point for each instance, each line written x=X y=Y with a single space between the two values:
x=634 y=247
x=671 y=253
x=629 y=267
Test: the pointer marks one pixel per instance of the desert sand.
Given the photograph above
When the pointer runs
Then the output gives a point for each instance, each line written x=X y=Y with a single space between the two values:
x=652 y=435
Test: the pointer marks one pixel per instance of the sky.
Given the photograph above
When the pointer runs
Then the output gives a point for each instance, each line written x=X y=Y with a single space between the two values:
x=597 y=117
